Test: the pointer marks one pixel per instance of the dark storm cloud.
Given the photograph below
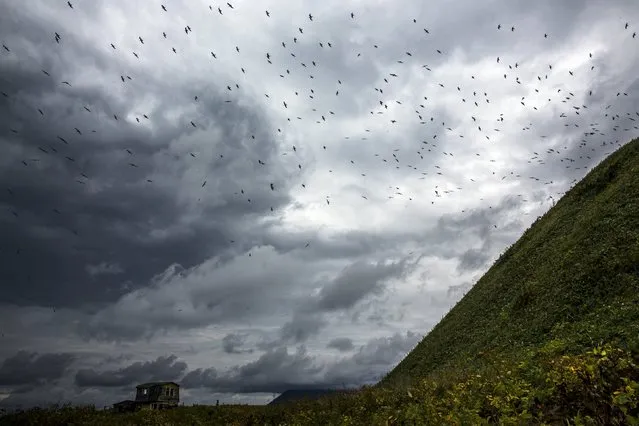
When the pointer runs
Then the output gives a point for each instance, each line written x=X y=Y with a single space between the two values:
x=342 y=344
x=30 y=368
x=114 y=216
x=164 y=368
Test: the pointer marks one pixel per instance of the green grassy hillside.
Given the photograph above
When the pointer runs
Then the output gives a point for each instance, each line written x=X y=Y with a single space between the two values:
x=571 y=281
x=549 y=335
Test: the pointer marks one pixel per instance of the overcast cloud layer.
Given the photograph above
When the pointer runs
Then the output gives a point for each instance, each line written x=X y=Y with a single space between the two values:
x=251 y=199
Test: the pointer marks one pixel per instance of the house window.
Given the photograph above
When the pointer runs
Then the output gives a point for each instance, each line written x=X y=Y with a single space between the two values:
x=145 y=391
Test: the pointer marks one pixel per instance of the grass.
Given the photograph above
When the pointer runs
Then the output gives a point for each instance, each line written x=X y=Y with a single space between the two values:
x=550 y=334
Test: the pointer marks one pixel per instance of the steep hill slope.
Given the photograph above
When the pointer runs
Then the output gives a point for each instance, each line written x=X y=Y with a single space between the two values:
x=570 y=281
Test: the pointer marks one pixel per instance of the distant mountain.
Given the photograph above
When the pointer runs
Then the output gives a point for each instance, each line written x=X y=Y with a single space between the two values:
x=297 y=394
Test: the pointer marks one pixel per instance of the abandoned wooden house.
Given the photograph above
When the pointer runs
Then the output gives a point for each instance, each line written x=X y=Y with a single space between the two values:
x=153 y=396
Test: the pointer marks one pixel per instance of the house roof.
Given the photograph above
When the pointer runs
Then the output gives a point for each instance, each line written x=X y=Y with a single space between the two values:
x=151 y=384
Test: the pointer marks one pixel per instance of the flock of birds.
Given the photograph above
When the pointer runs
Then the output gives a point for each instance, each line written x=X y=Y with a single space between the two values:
x=469 y=95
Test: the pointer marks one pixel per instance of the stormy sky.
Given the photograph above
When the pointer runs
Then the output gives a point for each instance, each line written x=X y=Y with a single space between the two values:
x=255 y=198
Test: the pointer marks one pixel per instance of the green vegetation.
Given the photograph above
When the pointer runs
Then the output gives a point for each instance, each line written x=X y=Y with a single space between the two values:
x=550 y=334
